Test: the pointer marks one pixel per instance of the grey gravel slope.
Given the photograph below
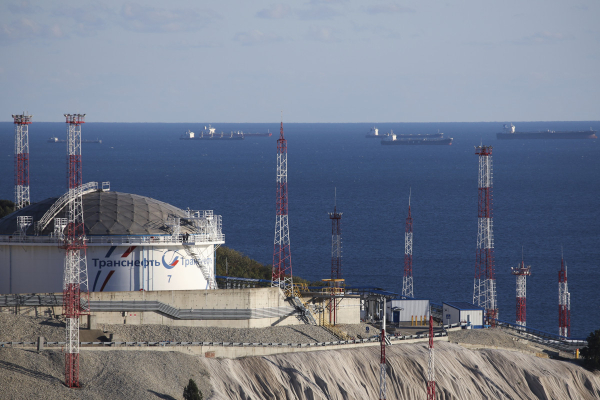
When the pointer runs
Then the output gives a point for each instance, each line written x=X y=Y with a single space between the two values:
x=104 y=375
x=342 y=374
x=354 y=374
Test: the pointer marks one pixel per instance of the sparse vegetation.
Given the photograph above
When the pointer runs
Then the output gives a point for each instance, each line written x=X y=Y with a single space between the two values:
x=6 y=207
x=191 y=392
x=233 y=263
x=591 y=353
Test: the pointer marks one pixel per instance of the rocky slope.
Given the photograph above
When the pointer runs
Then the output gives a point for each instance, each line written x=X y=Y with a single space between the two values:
x=354 y=374
x=342 y=374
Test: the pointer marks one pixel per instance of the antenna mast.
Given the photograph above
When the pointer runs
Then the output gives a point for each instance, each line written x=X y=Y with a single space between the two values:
x=382 y=362
x=282 y=259
x=521 y=272
x=484 y=290
x=431 y=370
x=407 y=281
x=336 y=259
x=22 y=198
x=564 y=302
x=75 y=280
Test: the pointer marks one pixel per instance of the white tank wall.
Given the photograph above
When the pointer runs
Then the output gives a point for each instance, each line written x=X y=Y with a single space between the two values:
x=39 y=268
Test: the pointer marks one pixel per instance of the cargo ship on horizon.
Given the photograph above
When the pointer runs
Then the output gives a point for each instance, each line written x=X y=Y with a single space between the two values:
x=267 y=134
x=209 y=134
x=417 y=140
x=374 y=133
x=54 y=139
x=509 y=132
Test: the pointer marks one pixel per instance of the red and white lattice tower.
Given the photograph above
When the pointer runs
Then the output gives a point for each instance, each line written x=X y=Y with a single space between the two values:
x=484 y=290
x=382 y=364
x=75 y=280
x=22 y=198
x=336 y=260
x=564 y=302
x=407 y=281
x=521 y=272
x=282 y=259
x=431 y=369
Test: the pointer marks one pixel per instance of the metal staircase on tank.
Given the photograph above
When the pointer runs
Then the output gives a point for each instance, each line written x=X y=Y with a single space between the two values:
x=293 y=293
x=206 y=225
x=193 y=254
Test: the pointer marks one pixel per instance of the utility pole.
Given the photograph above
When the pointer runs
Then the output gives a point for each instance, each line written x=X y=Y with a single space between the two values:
x=484 y=291
x=407 y=281
x=22 y=196
x=282 y=259
x=75 y=280
x=564 y=302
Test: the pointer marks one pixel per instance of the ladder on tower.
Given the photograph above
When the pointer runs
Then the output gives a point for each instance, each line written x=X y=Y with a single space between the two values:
x=193 y=254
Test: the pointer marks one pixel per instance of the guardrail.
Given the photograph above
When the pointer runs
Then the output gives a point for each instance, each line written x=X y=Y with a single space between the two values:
x=546 y=338
x=125 y=240
x=224 y=344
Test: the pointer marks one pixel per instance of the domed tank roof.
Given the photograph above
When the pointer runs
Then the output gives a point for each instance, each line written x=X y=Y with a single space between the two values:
x=107 y=213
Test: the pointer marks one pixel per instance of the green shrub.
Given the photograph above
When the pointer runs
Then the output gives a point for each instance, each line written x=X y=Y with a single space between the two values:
x=191 y=392
x=233 y=263
x=6 y=207
x=591 y=353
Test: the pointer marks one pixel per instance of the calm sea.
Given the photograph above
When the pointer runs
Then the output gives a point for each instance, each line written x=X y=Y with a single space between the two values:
x=545 y=199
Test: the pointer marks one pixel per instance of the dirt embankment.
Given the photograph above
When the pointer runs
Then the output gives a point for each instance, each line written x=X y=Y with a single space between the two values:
x=342 y=374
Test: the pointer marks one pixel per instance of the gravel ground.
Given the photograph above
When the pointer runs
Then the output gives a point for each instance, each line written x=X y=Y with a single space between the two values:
x=359 y=331
x=28 y=374
x=274 y=334
x=21 y=328
x=503 y=338
x=24 y=328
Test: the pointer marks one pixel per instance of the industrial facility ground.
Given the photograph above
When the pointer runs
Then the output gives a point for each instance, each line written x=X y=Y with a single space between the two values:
x=24 y=328
x=25 y=373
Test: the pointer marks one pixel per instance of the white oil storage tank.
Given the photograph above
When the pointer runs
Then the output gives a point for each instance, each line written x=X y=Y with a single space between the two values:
x=133 y=243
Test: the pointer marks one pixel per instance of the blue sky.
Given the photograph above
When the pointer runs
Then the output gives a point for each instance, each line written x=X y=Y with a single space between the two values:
x=316 y=60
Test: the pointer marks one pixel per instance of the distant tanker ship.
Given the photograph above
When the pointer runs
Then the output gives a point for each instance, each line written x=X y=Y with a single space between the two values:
x=260 y=134
x=374 y=133
x=417 y=140
x=509 y=133
x=209 y=134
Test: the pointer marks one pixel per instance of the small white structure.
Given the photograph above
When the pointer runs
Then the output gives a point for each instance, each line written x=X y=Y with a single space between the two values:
x=403 y=310
x=463 y=313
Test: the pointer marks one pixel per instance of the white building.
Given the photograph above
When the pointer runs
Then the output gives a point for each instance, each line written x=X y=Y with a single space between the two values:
x=463 y=313
x=403 y=310
x=133 y=243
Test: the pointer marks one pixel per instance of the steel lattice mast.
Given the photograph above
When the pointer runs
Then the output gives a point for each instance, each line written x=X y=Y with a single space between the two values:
x=522 y=272
x=75 y=280
x=382 y=364
x=282 y=259
x=431 y=369
x=407 y=281
x=484 y=290
x=564 y=302
x=22 y=197
x=336 y=259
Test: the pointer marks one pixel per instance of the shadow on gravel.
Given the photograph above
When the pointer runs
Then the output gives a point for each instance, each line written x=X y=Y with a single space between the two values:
x=304 y=334
x=17 y=368
x=57 y=324
x=162 y=396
